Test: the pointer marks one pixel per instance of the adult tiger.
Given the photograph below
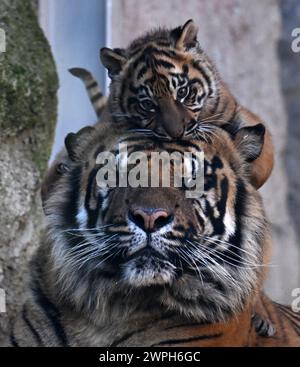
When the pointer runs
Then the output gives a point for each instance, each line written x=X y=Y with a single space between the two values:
x=165 y=82
x=148 y=266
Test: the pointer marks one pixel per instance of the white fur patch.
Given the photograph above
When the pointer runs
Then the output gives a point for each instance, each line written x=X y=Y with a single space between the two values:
x=145 y=271
x=82 y=217
x=229 y=224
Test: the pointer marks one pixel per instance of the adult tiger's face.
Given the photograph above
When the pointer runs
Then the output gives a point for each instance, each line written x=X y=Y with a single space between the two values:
x=129 y=248
x=163 y=82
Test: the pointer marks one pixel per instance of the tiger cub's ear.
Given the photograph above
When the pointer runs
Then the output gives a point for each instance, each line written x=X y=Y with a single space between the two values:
x=76 y=143
x=185 y=37
x=113 y=60
x=249 y=141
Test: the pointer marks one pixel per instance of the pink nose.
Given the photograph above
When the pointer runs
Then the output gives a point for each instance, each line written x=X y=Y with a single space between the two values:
x=150 y=220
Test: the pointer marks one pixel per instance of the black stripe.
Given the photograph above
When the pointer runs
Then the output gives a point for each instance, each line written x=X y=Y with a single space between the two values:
x=221 y=205
x=164 y=63
x=292 y=322
x=194 y=81
x=287 y=311
x=96 y=97
x=13 y=340
x=92 y=85
x=183 y=325
x=174 y=82
x=216 y=105
x=52 y=314
x=185 y=68
x=187 y=340
x=32 y=329
x=217 y=223
x=122 y=95
x=142 y=72
x=127 y=336
x=70 y=209
x=197 y=66
x=92 y=213
x=280 y=320
x=163 y=43
x=290 y=312
x=171 y=54
x=99 y=111
x=132 y=101
x=149 y=53
x=199 y=218
x=239 y=210
x=145 y=56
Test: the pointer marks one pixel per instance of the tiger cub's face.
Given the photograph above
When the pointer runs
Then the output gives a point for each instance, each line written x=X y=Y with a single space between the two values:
x=122 y=249
x=164 y=82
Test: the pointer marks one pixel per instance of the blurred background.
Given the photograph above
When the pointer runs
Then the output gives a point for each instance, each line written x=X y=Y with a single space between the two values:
x=250 y=42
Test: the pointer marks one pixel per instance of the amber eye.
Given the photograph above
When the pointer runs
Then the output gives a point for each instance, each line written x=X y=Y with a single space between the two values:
x=147 y=105
x=182 y=92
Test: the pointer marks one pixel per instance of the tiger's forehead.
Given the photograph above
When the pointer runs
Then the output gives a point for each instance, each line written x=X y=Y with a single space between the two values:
x=156 y=48
x=155 y=71
x=216 y=149
x=158 y=59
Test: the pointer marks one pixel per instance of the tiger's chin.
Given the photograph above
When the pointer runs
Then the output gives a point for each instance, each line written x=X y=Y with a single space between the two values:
x=147 y=270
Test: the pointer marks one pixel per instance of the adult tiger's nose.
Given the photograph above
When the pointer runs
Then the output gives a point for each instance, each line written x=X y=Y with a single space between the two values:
x=150 y=220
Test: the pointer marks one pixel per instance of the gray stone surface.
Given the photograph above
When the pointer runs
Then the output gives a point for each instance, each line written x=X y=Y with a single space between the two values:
x=28 y=85
x=241 y=36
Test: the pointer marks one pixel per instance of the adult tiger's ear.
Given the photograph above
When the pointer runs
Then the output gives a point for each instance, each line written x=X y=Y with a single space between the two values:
x=113 y=60
x=76 y=143
x=249 y=141
x=185 y=37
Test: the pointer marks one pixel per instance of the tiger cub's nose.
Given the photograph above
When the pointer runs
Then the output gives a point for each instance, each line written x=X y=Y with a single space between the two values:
x=150 y=220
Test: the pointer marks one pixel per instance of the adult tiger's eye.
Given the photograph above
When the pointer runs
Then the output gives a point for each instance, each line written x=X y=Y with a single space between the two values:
x=182 y=92
x=147 y=105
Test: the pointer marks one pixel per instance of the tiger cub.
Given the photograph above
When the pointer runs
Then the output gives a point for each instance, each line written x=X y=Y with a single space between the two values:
x=165 y=82
x=149 y=266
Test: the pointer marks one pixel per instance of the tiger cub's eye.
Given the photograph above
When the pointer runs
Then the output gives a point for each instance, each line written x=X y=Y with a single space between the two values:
x=182 y=92
x=147 y=105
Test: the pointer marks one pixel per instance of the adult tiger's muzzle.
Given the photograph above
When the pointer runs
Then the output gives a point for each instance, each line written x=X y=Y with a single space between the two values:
x=150 y=209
